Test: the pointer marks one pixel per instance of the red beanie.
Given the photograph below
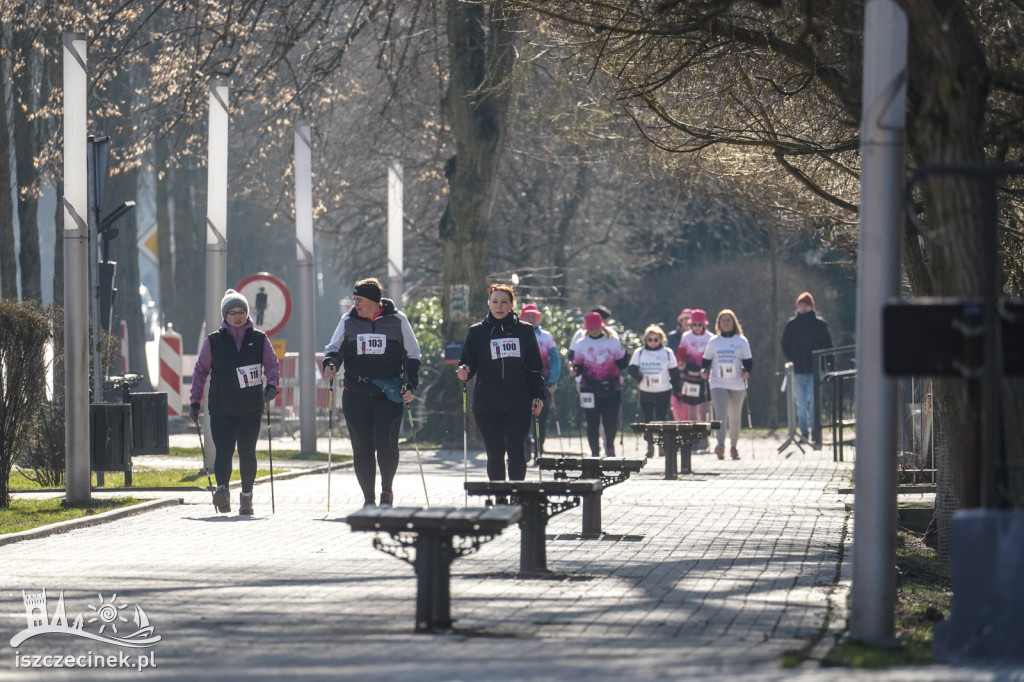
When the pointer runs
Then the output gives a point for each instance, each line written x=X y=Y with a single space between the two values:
x=805 y=298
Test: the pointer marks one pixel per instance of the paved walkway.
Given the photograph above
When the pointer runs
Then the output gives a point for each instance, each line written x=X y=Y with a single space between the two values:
x=712 y=576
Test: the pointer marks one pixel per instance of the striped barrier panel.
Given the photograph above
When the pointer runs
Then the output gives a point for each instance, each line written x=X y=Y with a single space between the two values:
x=170 y=370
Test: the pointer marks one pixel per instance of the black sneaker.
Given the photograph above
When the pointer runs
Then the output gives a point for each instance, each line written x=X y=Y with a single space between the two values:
x=387 y=498
x=245 y=504
x=222 y=499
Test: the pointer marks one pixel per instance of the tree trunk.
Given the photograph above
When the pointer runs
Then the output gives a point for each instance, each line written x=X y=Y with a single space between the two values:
x=164 y=253
x=184 y=302
x=8 y=258
x=481 y=57
x=947 y=88
x=25 y=132
x=561 y=283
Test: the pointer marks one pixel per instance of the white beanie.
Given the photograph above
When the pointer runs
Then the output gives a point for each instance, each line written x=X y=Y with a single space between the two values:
x=233 y=299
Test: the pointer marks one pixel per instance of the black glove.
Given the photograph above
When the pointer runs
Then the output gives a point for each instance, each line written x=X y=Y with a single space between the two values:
x=193 y=412
x=269 y=393
x=331 y=360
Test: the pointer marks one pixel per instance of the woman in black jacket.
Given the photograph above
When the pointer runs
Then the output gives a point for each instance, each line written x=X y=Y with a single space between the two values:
x=502 y=353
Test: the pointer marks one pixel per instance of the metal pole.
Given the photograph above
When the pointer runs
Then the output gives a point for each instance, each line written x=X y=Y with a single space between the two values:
x=306 y=304
x=76 y=273
x=395 y=240
x=216 y=220
x=878 y=270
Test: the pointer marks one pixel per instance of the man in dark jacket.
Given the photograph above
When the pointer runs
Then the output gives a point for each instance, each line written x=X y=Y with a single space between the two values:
x=805 y=333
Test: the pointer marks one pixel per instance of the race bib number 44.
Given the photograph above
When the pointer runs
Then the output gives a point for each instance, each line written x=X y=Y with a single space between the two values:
x=370 y=344
x=250 y=375
x=727 y=371
x=504 y=348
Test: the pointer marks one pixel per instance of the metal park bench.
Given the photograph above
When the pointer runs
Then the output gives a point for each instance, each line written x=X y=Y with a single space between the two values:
x=608 y=471
x=540 y=500
x=437 y=536
x=677 y=439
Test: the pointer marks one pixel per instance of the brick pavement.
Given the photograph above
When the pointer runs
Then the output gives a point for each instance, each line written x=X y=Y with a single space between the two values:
x=715 y=575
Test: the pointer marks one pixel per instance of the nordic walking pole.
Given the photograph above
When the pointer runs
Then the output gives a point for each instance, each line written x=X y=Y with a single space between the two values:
x=330 y=439
x=554 y=408
x=536 y=447
x=416 y=442
x=465 y=446
x=750 y=425
x=202 y=449
x=270 y=451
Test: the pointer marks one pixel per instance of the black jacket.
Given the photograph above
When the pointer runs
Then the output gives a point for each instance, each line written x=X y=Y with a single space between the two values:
x=804 y=333
x=509 y=376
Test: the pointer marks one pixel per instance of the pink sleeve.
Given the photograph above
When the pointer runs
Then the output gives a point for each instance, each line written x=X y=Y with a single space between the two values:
x=202 y=370
x=271 y=365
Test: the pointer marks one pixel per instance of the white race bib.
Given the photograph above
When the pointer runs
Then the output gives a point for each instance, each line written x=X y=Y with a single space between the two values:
x=587 y=401
x=691 y=390
x=652 y=381
x=249 y=376
x=370 y=344
x=504 y=348
x=726 y=371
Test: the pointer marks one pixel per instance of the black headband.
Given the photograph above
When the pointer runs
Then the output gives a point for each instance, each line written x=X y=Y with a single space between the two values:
x=368 y=291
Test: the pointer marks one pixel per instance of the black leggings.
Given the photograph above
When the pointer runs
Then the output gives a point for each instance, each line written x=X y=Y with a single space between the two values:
x=373 y=423
x=655 y=406
x=606 y=410
x=228 y=431
x=504 y=432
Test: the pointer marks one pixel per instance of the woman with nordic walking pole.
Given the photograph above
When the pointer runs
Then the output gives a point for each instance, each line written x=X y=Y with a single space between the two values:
x=244 y=374
x=502 y=353
x=375 y=344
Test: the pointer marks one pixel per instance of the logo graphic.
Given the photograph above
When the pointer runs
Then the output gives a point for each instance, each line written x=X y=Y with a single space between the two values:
x=109 y=615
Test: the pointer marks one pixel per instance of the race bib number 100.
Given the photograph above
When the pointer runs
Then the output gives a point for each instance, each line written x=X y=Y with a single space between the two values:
x=250 y=375
x=370 y=344
x=504 y=348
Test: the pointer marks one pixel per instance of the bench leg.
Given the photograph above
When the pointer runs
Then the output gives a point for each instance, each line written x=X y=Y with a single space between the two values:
x=432 y=563
x=685 y=451
x=533 y=556
x=670 y=458
x=592 y=515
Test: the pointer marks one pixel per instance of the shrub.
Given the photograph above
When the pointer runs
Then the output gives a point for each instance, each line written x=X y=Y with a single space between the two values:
x=24 y=332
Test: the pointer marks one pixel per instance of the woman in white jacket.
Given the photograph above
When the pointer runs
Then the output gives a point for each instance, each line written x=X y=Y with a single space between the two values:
x=726 y=367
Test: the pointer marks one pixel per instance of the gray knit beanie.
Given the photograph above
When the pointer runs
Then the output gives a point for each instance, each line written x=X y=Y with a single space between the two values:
x=232 y=299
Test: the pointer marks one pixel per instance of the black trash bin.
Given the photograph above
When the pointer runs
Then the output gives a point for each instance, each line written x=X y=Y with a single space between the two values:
x=110 y=446
x=149 y=424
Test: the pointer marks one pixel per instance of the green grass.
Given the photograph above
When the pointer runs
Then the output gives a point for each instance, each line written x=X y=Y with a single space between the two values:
x=25 y=514
x=283 y=455
x=922 y=600
x=142 y=477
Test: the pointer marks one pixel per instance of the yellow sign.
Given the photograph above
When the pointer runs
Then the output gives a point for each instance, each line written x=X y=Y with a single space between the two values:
x=148 y=244
x=279 y=347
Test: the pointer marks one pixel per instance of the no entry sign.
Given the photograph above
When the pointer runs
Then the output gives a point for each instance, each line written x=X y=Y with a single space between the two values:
x=270 y=304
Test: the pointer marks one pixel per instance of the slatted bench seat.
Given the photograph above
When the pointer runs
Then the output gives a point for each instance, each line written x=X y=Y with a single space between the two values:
x=609 y=471
x=540 y=500
x=435 y=537
x=677 y=439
